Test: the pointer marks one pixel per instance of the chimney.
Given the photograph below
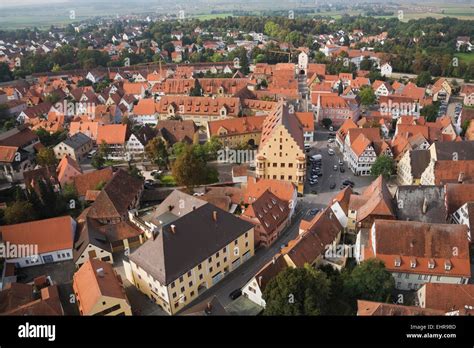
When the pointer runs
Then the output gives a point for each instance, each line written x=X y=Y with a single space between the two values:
x=214 y=215
x=425 y=205
x=273 y=260
x=173 y=228
x=461 y=177
x=100 y=272
x=260 y=281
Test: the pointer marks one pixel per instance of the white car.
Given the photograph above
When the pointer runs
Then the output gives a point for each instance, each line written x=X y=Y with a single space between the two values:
x=331 y=152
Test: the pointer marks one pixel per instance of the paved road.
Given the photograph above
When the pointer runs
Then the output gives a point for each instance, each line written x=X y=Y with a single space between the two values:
x=238 y=278
x=329 y=174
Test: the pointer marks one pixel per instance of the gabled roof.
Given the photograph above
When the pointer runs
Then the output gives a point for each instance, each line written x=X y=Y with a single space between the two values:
x=117 y=197
x=49 y=235
x=375 y=200
x=8 y=153
x=312 y=243
x=285 y=190
x=282 y=117
x=369 y=308
x=424 y=203
x=270 y=270
x=65 y=163
x=196 y=236
x=239 y=125
x=448 y=297
x=457 y=195
x=419 y=244
x=77 y=140
x=177 y=130
x=90 y=180
x=269 y=210
x=453 y=171
x=112 y=134
x=95 y=280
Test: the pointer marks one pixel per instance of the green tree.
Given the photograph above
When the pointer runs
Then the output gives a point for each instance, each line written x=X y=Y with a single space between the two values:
x=367 y=96
x=46 y=157
x=384 y=165
x=297 y=291
x=327 y=122
x=5 y=73
x=423 y=79
x=157 y=152
x=190 y=169
x=369 y=281
x=430 y=112
x=20 y=211
x=98 y=161
x=196 y=91
x=134 y=171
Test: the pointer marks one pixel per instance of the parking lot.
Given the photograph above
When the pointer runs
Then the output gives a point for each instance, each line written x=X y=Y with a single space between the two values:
x=321 y=192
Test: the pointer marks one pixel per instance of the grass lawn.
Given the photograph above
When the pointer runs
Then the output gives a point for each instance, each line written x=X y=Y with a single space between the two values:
x=466 y=57
x=203 y=17
x=167 y=180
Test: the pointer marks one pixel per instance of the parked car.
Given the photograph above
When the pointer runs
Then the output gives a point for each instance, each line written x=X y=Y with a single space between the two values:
x=235 y=294
x=331 y=140
x=91 y=154
x=335 y=167
x=314 y=192
x=341 y=162
x=331 y=152
x=332 y=186
x=313 y=211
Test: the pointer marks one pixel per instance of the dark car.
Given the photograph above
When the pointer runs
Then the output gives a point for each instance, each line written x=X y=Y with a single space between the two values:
x=235 y=294
x=314 y=192
x=313 y=211
x=342 y=170
x=348 y=182
x=332 y=186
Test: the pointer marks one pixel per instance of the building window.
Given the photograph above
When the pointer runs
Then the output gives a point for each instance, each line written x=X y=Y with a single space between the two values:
x=199 y=267
x=218 y=264
x=189 y=274
x=182 y=289
x=225 y=259
x=217 y=254
x=210 y=269
x=172 y=285
x=235 y=242
x=200 y=277
x=209 y=259
x=181 y=279
x=190 y=284
x=174 y=294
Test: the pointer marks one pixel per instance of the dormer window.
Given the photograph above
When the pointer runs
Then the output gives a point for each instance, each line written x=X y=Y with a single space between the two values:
x=431 y=264
x=412 y=263
x=398 y=262
x=223 y=111
x=447 y=265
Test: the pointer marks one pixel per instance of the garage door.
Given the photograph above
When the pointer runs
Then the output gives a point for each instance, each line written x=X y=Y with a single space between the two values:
x=236 y=264
x=216 y=278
